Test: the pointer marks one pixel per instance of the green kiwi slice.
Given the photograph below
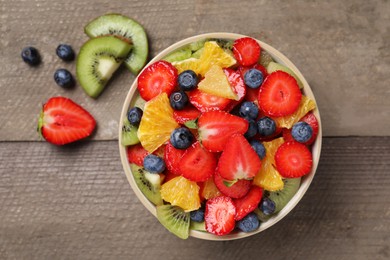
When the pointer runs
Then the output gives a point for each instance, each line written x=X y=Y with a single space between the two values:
x=126 y=29
x=98 y=59
x=273 y=66
x=129 y=133
x=148 y=183
x=283 y=196
x=265 y=58
x=175 y=219
x=198 y=226
x=186 y=52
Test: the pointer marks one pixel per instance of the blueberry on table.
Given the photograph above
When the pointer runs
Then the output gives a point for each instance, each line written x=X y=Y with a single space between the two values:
x=302 y=132
x=187 y=80
x=64 y=78
x=267 y=206
x=197 y=215
x=249 y=110
x=154 y=164
x=249 y=223
x=65 y=52
x=258 y=147
x=178 y=100
x=134 y=116
x=30 y=55
x=253 y=78
x=266 y=126
x=181 y=138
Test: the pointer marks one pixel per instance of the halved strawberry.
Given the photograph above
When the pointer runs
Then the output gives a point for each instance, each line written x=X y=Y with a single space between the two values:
x=62 y=121
x=197 y=164
x=249 y=203
x=159 y=77
x=238 y=190
x=187 y=114
x=309 y=118
x=238 y=85
x=279 y=95
x=219 y=215
x=293 y=160
x=216 y=127
x=252 y=95
x=169 y=175
x=172 y=157
x=246 y=50
x=136 y=154
x=238 y=160
x=206 y=102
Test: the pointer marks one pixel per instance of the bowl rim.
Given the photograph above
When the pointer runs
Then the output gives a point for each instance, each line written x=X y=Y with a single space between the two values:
x=316 y=148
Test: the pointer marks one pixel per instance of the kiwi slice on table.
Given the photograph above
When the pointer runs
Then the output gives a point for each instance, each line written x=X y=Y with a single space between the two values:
x=148 y=183
x=98 y=59
x=128 y=30
x=129 y=133
x=273 y=66
x=175 y=219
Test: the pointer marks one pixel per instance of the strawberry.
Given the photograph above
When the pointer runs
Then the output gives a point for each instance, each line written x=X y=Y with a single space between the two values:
x=136 y=154
x=248 y=203
x=197 y=164
x=279 y=95
x=252 y=94
x=238 y=190
x=246 y=51
x=159 y=77
x=170 y=175
x=62 y=121
x=309 y=118
x=238 y=160
x=293 y=160
x=206 y=102
x=216 y=127
x=237 y=82
x=172 y=157
x=219 y=215
x=187 y=114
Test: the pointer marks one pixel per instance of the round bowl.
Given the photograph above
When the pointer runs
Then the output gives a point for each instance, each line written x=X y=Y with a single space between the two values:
x=316 y=148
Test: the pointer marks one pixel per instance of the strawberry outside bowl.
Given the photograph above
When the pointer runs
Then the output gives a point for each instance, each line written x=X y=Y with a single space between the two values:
x=133 y=99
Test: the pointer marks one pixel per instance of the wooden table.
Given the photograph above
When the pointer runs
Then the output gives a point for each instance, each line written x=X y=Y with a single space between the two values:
x=74 y=202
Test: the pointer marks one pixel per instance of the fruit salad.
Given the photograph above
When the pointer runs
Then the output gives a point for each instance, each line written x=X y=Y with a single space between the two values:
x=219 y=136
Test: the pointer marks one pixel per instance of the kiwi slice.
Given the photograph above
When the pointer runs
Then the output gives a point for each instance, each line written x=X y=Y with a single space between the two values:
x=129 y=133
x=98 y=59
x=265 y=58
x=126 y=29
x=179 y=55
x=283 y=196
x=175 y=219
x=273 y=66
x=148 y=183
x=198 y=226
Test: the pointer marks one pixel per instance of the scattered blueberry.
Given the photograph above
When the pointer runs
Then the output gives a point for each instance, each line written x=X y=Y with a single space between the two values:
x=65 y=52
x=252 y=129
x=267 y=206
x=266 y=126
x=187 y=80
x=134 y=115
x=253 y=78
x=178 y=100
x=249 y=223
x=197 y=215
x=302 y=132
x=181 y=138
x=258 y=147
x=249 y=110
x=64 y=78
x=30 y=55
x=154 y=164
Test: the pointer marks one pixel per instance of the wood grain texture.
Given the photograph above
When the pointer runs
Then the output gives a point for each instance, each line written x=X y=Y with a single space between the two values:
x=341 y=47
x=75 y=203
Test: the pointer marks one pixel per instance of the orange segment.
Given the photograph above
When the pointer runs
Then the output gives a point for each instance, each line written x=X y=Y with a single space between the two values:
x=210 y=190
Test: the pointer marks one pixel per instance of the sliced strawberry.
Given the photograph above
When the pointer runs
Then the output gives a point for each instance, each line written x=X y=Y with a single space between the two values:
x=136 y=154
x=246 y=51
x=238 y=160
x=287 y=135
x=172 y=157
x=216 y=127
x=187 y=114
x=159 y=77
x=243 y=69
x=252 y=95
x=197 y=164
x=206 y=102
x=170 y=175
x=309 y=118
x=62 y=121
x=249 y=203
x=237 y=82
x=293 y=160
x=238 y=190
x=219 y=215
x=279 y=95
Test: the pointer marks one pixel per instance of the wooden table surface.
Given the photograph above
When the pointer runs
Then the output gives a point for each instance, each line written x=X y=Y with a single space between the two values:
x=74 y=202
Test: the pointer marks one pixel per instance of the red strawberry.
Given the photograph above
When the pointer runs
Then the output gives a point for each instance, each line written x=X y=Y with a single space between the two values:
x=238 y=160
x=238 y=190
x=249 y=203
x=246 y=51
x=309 y=118
x=293 y=160
x=62 y=121
x=243 y=69
x=170 y=175
x=279 y=95
x=216 y=127
x=206 y=102
x=197 y=164
x=237 y=82
x=219 y=215
x=136 y=154
x=159 y=77
x=252 y=94
x=187 y=114
x=172 y=157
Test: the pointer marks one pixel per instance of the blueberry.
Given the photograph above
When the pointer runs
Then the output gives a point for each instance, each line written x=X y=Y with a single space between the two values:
x=178 y=100
x=258 y=147
x=266 y=126
x=134 y=115
x=249 y=110
x=65 y=52
x=249 y=223
x=302 y=132
x=64 y=78
x=253 y=78
x=31 y=56
x=252 y=129
x=187 y=80
x=181 y=138
x=197 y=215
x=267 y=206
x=154 y=164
